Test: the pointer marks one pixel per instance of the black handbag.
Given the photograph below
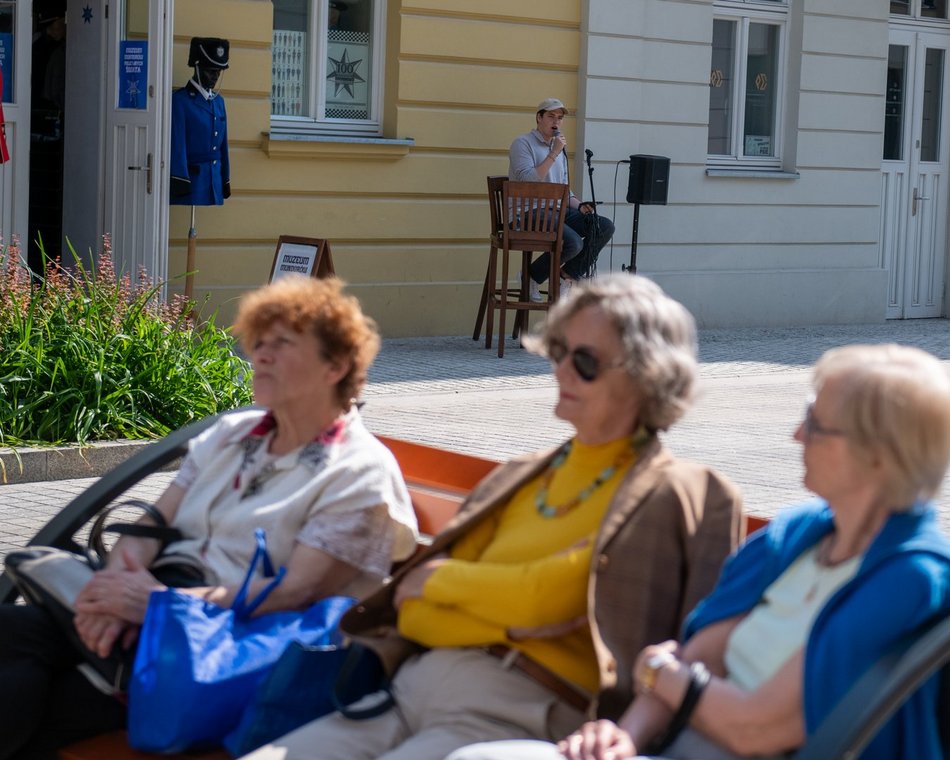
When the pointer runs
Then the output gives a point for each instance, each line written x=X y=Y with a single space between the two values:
x=306 y=683
x=52 y=578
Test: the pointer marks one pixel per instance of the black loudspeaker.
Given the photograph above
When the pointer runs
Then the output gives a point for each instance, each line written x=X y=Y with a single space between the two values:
x=649 y=180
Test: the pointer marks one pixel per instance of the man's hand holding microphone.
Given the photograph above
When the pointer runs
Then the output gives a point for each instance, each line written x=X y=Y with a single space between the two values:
x=558 y=144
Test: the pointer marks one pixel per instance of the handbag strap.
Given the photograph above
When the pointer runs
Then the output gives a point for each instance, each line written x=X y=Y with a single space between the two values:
x=354 y=657
x=241 y=606
x=95 y=547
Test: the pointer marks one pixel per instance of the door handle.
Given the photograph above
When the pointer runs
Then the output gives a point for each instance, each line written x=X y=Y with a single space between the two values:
x=913 y=207
x=148 y=174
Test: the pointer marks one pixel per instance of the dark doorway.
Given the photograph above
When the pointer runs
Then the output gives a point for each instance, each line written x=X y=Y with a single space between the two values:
x=47 y=123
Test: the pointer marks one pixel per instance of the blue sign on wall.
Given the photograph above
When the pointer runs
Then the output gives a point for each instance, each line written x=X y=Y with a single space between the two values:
x=6 y=63
x=133 y=74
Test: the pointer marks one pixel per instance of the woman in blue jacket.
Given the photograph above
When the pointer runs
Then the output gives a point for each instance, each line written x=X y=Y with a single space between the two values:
x=815 y=598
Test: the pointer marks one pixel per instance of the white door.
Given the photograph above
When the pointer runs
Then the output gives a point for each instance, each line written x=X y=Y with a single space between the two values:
x=16 y=28
x=916 y=159
x=137 y=124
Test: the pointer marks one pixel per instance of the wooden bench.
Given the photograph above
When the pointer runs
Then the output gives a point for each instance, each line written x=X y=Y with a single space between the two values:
x=438 y=482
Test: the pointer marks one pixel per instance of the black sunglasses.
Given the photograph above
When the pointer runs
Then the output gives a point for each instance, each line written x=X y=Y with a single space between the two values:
x=587 y=366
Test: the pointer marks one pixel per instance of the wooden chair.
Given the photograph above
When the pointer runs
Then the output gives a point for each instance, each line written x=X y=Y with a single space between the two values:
x=496 y=184
x=534 y=212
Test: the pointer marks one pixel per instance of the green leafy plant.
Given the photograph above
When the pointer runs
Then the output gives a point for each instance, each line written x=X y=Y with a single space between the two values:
x=86 y=355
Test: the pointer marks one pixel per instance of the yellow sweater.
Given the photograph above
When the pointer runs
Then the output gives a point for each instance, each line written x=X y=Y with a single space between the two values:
x=518 y=569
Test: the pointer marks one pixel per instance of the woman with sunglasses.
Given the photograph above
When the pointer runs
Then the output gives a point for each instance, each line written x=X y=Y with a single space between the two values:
x=815 y=598
x=529 y=608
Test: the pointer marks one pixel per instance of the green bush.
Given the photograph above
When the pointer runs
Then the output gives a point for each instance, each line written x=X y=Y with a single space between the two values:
x=87 y=356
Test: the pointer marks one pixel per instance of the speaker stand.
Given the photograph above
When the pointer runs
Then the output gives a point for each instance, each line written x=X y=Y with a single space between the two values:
x=633 y=243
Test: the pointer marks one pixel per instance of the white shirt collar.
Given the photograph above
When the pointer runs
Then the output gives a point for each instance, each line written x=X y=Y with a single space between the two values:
x=206 y=94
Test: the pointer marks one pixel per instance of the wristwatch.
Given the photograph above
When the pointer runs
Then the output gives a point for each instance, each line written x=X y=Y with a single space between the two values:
x=650 y=671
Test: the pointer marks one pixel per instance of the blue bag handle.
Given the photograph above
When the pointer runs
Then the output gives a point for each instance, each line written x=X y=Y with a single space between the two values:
x=242 y=608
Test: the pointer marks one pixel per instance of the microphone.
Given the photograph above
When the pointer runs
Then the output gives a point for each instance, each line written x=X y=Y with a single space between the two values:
x=589 y=153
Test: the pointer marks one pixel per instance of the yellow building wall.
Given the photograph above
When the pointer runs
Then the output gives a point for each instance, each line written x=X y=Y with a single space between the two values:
x=408 y=227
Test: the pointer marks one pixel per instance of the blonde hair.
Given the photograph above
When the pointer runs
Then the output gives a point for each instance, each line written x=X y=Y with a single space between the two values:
x=894 y=405
x=658 y=336
x=321 y=308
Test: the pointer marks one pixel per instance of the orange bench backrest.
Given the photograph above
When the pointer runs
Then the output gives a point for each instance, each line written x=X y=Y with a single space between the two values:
x=439 y=481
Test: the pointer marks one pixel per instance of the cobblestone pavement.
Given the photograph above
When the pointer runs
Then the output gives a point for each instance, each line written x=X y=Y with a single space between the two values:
x=451 y=393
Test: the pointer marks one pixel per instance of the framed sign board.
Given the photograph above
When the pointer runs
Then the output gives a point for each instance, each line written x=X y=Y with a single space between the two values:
x=297 y=255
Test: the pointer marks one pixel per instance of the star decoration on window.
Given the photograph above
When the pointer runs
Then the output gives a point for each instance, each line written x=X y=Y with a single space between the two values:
x=344 y=74
x=87 y=14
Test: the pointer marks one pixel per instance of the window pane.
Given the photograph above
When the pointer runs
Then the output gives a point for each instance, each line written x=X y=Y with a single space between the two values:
x=894 y=104
x=933 y=98
x=7 y=26
x=761 y=81
x=349 y=59
x=721 y=82
x=933 y=9
x=290 y=67
x=900 y=7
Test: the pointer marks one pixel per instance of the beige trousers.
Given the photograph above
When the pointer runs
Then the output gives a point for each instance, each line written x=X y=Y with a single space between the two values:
x=445 y=699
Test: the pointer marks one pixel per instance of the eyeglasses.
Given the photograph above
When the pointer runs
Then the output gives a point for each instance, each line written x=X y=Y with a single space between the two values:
x=811 y=426
x=587 y=366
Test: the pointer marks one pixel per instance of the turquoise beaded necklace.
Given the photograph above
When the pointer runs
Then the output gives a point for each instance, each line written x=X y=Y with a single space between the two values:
x=550 y=510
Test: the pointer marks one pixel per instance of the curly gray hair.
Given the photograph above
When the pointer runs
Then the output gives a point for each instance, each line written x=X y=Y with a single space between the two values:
x=658 y=336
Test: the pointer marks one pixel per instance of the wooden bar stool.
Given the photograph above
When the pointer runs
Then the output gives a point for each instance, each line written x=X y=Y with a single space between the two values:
x=532 y=215
x=495 y=186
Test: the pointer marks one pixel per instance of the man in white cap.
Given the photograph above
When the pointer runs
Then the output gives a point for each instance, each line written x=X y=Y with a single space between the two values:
x=541 y=156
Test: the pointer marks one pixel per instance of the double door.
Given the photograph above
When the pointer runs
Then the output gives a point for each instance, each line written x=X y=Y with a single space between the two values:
x=115 y=128
x=915 y=199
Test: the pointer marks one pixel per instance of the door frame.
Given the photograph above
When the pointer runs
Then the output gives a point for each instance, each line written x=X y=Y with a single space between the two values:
x=915 y=204
x=15 y=173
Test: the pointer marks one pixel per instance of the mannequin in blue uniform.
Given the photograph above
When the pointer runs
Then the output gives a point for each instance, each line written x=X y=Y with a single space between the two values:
x=200 y=169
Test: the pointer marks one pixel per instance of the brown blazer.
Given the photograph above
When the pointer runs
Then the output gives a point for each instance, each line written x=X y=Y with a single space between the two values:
x=659 y=551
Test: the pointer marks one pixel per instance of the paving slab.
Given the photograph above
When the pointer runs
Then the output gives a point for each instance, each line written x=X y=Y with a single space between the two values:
x=452 y=393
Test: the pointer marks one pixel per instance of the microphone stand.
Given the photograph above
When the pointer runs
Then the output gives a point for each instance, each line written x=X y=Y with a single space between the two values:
x=593 y=200
x=633 y=242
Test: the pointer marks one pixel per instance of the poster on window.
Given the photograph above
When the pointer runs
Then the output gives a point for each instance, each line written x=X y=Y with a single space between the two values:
x=287 y=72
x=348 y=62
x=758 y=145
x=133 y=74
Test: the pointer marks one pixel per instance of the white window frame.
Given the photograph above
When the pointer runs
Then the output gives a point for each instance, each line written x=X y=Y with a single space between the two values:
x=316 y=123
x=744 y=13
x=915 y=13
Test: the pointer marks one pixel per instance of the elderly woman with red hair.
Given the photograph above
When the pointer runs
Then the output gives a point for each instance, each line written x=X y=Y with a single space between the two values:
x=303 y=467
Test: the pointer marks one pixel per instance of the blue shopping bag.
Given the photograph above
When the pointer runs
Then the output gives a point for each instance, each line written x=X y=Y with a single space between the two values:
x=308 y=682
x=198 y=665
